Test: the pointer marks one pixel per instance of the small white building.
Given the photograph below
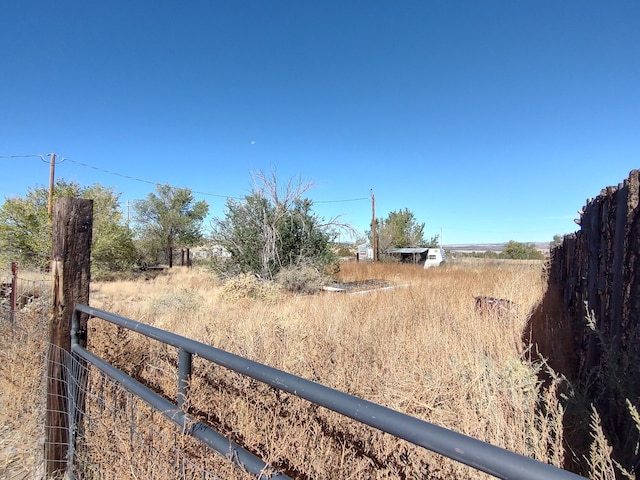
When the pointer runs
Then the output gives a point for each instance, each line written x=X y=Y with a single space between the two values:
x=209 y=251
x=365 y=253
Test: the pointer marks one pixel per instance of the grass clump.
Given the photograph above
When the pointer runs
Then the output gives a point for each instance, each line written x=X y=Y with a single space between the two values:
x=300 y=279
x=248 y=286
x=182 y=300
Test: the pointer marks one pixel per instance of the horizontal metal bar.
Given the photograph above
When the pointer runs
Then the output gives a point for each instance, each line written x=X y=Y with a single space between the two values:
x=475 y=453
x=198 y=430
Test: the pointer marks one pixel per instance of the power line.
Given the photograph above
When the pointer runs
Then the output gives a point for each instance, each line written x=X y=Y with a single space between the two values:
x=37 y=155
x=342 y=201
x=194 y=191
x=140 y=179
x=25 y=156
x=60 y=159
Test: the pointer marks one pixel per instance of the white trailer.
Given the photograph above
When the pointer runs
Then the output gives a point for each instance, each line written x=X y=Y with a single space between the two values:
x=435 y=257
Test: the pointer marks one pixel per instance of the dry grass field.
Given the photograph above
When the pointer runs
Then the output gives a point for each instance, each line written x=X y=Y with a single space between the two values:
x=420 y=348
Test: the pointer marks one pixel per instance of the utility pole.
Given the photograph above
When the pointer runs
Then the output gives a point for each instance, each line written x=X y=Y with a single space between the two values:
x=374 y=233
x=52 y=169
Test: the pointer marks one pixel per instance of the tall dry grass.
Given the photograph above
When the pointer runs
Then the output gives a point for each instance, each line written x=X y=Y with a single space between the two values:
x=421 y=348
x=22 y=361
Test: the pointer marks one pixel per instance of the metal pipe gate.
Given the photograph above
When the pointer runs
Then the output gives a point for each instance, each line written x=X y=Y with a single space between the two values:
x=475 y=453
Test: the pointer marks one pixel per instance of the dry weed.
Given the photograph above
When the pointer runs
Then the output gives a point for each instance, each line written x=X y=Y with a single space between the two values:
x=248 y=286
x=22 y=350
x=421 y=349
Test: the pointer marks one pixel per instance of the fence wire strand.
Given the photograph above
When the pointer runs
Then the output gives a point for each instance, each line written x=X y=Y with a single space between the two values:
x=119 y=436
x=22 y=392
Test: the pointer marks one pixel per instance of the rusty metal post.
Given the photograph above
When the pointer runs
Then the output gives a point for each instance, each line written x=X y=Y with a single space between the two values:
x=13 y=297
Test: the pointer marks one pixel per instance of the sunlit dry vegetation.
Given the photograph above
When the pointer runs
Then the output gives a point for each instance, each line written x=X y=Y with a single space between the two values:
x=421 y=348
x=22 y=354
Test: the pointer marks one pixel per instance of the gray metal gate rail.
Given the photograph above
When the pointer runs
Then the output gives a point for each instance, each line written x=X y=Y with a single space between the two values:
x=480 y=455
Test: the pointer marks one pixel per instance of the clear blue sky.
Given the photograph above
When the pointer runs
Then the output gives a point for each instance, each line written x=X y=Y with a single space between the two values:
x=493 y=120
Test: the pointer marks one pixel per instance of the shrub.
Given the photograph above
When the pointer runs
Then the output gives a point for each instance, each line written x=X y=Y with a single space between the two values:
x=249 y=286
x=300 y=279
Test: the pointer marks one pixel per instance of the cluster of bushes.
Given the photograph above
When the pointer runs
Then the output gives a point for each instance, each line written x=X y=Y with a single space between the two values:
x=512 y=250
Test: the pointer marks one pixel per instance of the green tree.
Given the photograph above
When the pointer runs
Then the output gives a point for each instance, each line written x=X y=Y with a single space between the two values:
x=244 y=233
x=25 y=231
x=521 y=251
x=401 y=229
x=112 y=245
x=272 y=229
x=557 y=241
x=170 y=219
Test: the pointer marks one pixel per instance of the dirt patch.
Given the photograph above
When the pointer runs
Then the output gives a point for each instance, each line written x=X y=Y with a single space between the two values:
x=356 y=286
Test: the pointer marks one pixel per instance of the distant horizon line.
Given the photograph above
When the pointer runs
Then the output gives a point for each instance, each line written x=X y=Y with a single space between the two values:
x=470 y=245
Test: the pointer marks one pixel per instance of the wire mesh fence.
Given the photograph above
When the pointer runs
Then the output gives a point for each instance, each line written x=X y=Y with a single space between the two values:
x=23 y=291
x=22 y=391
x=120 y=436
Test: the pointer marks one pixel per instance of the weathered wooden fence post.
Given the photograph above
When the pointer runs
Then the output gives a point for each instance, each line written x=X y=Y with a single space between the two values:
x=597 y=269
x=70 y=270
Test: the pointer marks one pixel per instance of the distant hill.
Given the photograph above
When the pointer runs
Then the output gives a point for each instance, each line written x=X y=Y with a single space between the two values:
x=464 y=247
x=489 y=247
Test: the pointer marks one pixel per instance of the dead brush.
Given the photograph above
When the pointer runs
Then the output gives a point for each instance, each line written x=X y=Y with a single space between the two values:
x=248 y=286
x=22 y=401
x=422 y=350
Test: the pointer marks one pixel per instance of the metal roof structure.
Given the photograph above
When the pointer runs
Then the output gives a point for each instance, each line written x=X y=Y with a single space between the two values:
x=408 y=250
